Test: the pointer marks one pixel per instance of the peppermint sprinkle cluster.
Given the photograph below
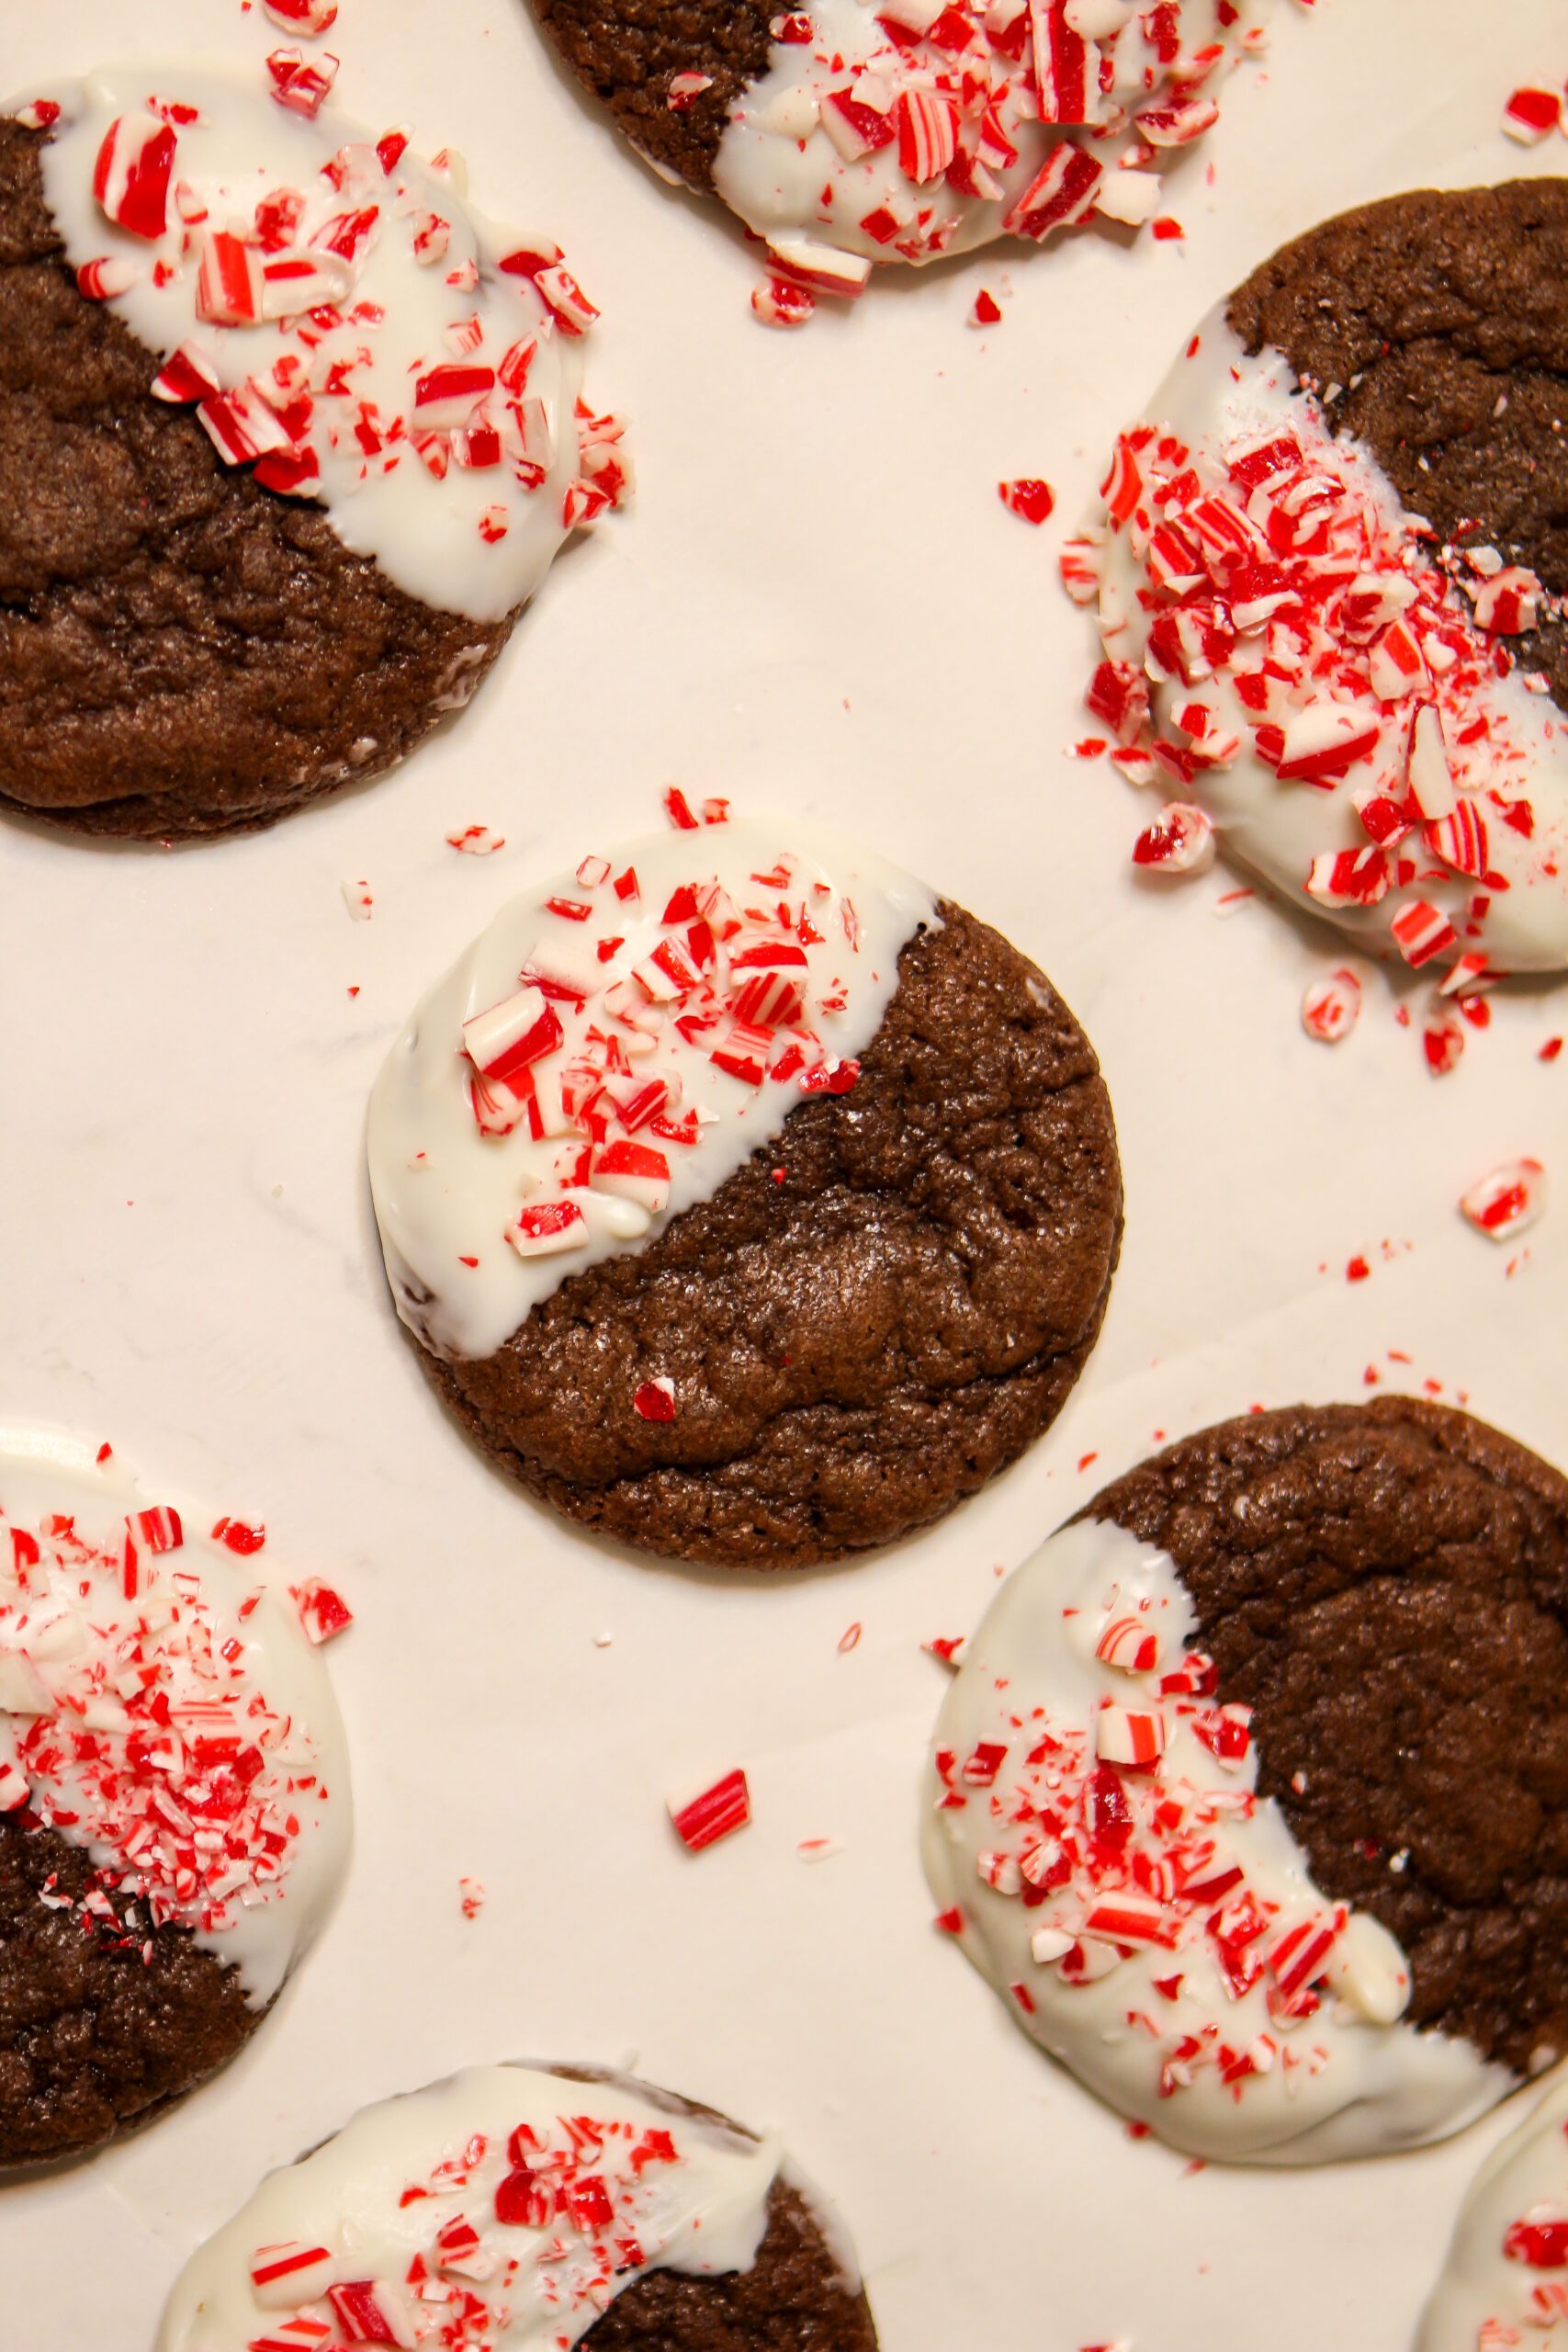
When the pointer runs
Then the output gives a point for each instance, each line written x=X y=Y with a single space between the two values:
x=1108 y=1834
x=957 y=89
x=1353 y=668
x=132 y=1719
x=584 y=2189
x=293 y=260
x=592 y=1057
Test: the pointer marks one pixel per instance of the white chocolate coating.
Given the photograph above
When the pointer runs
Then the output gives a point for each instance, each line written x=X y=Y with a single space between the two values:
x=1219 y=401
x=1505 y=2282
x=780 y=169
x=190 y=1656
x=429 y=535
x=641 y=2187
x=446 y=1192
x=1226 y=2057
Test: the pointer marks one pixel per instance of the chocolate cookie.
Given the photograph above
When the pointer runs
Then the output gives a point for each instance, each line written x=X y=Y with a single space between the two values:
x=845 y=1312
x=1250 y=1792
x=574 y=2191
x=1386 y=1587
x=845 y=136
x=165 y=1855
x=259 y=529
x=1434 y=328
x=1335 y=558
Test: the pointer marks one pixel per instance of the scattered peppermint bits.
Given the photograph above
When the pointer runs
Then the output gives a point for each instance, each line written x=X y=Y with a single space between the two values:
x=471 y=1897
x=717 y=1813
x=476 y=840
x=928 y=127
x=1266 y=607
x=1508 y=1201
x=570 y=1057
x=146 y=1710
x=336 y=334
x=504 y=2205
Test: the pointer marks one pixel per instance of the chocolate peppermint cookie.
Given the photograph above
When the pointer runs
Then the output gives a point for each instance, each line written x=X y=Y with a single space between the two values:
x=174 y=1799
x=1330 y=582
x=1265 y=1838
x=288 y=437
x=748 y=1204
x=845 y=136
x=534 y=2207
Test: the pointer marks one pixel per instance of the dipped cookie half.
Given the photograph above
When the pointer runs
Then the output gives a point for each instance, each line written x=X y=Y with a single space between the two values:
x=517 y=2206
x=749 y=1203
x=290 y=434
x=846 y=136
x=174 y=1796
x=1330 y=577
x=1248 y=1797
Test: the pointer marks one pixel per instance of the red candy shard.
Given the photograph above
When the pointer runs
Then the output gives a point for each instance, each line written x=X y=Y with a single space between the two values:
x=715 y=1814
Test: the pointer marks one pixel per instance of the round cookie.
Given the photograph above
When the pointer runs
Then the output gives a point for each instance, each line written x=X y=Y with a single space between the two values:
x=1505 y=2282
x=798 y=1222
x=271 y=502
x=532 y=2207
x=1251 y=1789
x=173 y=1801
x=846 y=136
x=1331 y=577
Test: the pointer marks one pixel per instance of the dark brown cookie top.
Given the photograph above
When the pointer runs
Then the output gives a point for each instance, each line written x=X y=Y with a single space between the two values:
x=627 y=51
x=794 y=2299
x=1443 y=320
x=181 y=652
x=1387 y=1586
x=100 y=2025
x=861 y=1343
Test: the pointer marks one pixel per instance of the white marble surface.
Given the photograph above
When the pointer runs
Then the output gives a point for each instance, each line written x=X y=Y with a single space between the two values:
x=818 y=603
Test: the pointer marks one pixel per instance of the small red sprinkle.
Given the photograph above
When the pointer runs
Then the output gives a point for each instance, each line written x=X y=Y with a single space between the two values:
x=104 y=1452
x=239 y=1537
x=354 y=991
x=1085 y=1459
x=849 y=1636
x=1371 y=1377
x=951 y=1922
x=655 y=1400
x=467 y=1262
x=1357 y=1270
x=1550 y=1050
x=1166 y=229
x=1030 y=499
x=987 y=311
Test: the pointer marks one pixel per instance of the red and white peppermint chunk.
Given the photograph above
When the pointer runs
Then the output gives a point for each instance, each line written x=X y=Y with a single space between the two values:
x=717 y=1812
x=306 y=17
x=1532 y=113
x=282 y=2276
x=1507 y=1201
x=1180 y=842
x=132 y=175
x=1332 y=1006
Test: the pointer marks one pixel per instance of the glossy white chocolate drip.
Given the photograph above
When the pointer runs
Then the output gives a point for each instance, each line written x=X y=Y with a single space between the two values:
x=280 y=1694
x=425 y=534
x=445 y=1193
